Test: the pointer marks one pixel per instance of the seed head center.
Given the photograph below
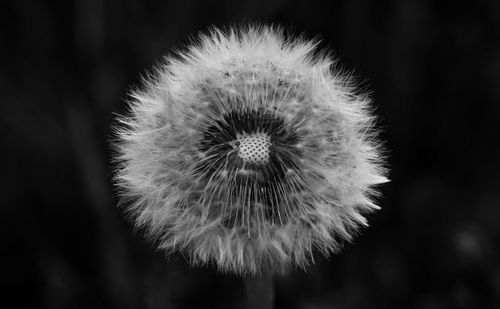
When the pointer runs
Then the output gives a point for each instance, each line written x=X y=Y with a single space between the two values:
x=253 y=148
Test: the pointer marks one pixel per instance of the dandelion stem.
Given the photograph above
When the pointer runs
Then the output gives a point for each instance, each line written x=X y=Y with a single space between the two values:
x=260 y=292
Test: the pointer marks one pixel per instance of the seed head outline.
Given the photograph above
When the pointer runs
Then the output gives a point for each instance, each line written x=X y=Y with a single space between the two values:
x=249 y=151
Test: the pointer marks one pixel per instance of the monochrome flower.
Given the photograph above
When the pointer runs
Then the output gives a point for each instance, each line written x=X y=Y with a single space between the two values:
x=249 y=151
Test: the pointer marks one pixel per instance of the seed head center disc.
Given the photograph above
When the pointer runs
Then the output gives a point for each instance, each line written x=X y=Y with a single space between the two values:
x=253 y=148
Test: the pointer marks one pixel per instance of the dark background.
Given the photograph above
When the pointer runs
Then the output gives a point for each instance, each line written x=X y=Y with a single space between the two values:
x=66 y=67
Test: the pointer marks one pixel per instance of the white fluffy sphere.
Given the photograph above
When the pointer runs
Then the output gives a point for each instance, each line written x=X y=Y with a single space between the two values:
x=250 y=152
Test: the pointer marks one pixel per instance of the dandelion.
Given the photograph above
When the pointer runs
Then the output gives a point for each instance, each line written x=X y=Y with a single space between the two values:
x=249 y=151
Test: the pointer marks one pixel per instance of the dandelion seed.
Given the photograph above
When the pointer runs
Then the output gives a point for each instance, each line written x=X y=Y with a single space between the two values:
x=249 y=152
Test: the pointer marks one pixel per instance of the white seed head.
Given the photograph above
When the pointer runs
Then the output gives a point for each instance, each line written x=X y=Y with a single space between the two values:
x=249 y=151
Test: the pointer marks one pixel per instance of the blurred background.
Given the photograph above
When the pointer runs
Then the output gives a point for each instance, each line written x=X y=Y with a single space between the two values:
x=433 y=66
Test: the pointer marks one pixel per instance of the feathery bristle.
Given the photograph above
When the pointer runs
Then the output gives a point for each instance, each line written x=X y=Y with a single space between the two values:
x=248 y=152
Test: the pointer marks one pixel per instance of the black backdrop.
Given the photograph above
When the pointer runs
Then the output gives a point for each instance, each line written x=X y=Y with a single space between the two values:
x=434 y=67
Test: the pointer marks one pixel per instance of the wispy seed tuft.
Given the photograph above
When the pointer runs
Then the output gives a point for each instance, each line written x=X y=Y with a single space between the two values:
x=249 y=151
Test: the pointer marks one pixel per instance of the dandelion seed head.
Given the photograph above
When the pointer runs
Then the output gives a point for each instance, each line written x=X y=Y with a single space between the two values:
x=250 y=152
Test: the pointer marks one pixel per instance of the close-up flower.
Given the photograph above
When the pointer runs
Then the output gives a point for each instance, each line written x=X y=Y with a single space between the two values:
x=250 y=154
x=249 y=150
